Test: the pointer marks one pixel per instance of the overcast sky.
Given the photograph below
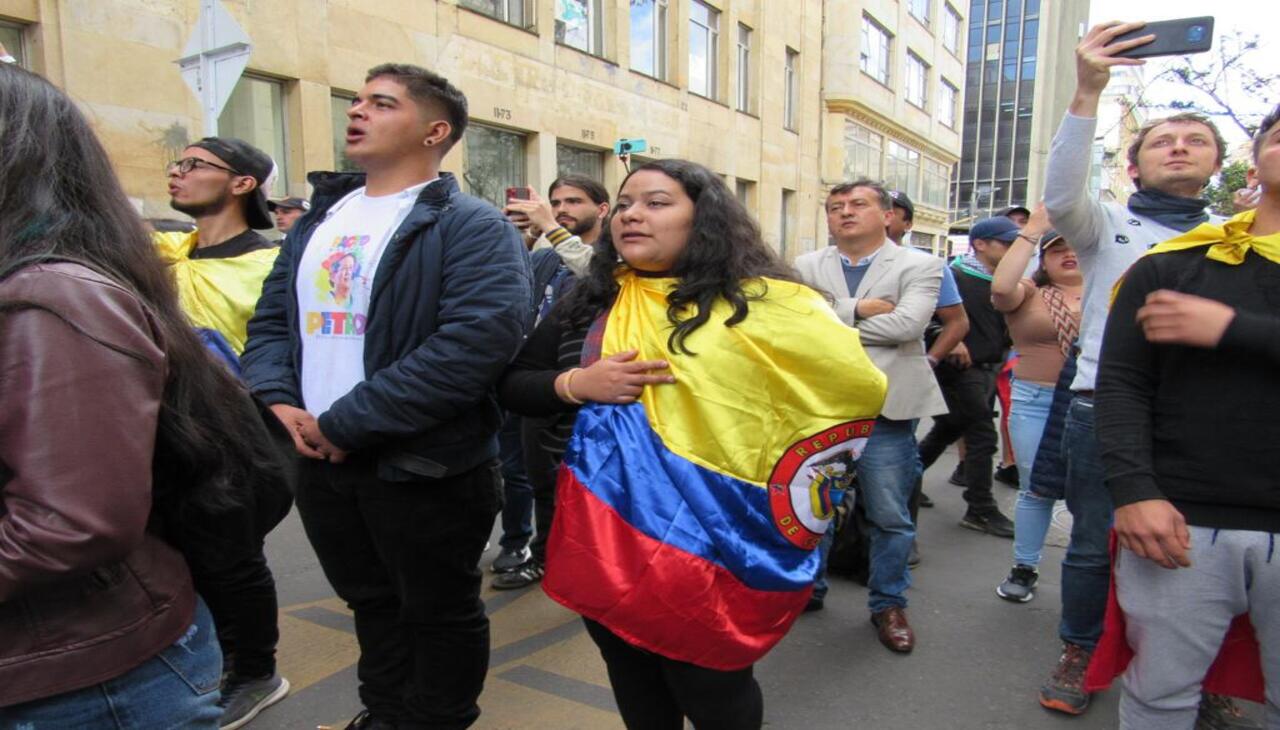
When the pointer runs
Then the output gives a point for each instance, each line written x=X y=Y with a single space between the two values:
x=1260 y=17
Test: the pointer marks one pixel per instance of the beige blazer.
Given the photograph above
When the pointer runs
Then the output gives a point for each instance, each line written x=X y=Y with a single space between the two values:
x=895 y=341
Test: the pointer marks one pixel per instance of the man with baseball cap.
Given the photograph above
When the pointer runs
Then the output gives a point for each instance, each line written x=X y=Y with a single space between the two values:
x=288 y=211
x=970 y=391
x=1016 y=213
x=219 y=268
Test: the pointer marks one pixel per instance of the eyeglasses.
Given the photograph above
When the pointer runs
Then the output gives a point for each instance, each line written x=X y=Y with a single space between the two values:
x=184 y=166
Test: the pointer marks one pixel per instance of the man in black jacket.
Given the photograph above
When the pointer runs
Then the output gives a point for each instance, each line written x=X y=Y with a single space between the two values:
x=970 y=392
x=392 y=310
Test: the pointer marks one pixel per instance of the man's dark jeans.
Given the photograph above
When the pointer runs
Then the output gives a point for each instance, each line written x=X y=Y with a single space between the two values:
x=404 y=557
x=517 y=508
x=970 y=396
x=1086 y=569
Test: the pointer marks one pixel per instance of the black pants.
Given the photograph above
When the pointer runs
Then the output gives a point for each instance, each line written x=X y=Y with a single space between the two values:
x=242 y=600
x=541 y=468
x=404 y=557
x=970 y=396
x=656 y=693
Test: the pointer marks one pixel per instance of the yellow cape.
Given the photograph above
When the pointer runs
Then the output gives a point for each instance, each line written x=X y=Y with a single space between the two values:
x=217 y=294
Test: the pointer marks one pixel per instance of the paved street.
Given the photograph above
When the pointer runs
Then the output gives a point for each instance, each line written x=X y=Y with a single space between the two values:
x=977 y=665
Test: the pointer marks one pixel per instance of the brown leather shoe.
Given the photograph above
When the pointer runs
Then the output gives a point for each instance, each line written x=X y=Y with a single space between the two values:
x=895 y=632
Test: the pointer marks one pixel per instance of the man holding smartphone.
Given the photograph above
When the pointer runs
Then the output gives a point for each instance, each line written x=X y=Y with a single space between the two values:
x=1170 y=161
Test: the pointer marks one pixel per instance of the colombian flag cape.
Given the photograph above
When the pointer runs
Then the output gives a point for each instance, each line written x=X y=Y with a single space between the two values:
x=686 y=522
x=216 y=294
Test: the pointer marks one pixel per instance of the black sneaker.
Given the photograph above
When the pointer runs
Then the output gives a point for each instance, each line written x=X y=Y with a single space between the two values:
x=509 y=560
x=925 y=501
x=363 y=721
x=814 y=604
x=1007 y=475
x=992 y=523
x=913 y=557
x=526 y=575
x=957 y=476
x=243 y=698
x=1219 y=712
x=1020 y=586
x=1064 y=691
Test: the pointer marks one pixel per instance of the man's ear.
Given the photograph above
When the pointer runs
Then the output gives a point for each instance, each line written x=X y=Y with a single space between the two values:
x=243 y=185
x=438 y=134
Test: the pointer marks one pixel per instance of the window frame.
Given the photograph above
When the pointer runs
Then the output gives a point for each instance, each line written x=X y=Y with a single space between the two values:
x=599 y=154
x=661 y=40
x=926 y=20
x=595 y=29
x=281 y=115
x=523 y=168
x=952 y=108
x=744 y=68
x=19 y=52
x=885 y=60
x=338 y=154
x=950 y=14
x=791 y=89
x=914 y=61
x=527 y=9
x=712 y=29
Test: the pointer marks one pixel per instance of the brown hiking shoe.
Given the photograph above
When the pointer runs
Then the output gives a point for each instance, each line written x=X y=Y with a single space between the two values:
x=1064 y=690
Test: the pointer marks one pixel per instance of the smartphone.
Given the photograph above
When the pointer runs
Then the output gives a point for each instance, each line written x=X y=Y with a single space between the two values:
x=1173 y=38
x=626 y=146
x=518 y=193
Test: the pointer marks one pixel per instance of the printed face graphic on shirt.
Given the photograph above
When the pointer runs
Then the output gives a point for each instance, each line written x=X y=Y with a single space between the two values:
x=339 y=280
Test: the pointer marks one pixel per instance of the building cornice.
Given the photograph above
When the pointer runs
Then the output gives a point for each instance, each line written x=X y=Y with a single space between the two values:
x=865 y=115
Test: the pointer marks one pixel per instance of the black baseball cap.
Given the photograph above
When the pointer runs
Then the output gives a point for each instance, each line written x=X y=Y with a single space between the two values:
x=291 y=202
x=1006 y=212
x=901 y=200
x=246 y=159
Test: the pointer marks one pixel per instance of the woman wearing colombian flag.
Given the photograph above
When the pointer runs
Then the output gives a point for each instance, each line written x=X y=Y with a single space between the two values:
x=714 y=401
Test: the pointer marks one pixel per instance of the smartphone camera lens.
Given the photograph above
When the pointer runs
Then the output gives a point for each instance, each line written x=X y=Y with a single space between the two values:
x=1196 y=34
x=625 y=147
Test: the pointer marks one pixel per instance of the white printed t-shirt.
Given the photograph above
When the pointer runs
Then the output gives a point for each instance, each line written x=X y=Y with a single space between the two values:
x=334 y=283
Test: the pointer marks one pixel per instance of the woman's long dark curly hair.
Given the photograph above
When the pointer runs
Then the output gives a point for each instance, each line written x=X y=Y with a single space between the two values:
x=60 y=201
x=725 y=251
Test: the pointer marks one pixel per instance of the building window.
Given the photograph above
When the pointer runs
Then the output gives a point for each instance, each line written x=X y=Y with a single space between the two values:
x=937 y=177
x=785 y=227
x=495 y=161
x=649 y=37
x=874 y=60
x=742 y=189
x=579 y=23
x=919 y=10
x=862 y=151
x=255 y=113
x=338 y=106
x=11 y=39
x=704 y=38
x=572 y=160
x=902 y=168
x=744 y=68
x=516 y=12
x=791 y=90
x=951 y=29
x=947 y=97
x=917 y=80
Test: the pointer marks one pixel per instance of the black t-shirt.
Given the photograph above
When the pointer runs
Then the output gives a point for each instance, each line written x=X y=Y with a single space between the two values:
x=238 y=245
x=988 y=337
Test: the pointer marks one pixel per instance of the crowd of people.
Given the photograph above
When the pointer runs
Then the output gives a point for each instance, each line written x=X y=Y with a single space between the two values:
x=673 y=423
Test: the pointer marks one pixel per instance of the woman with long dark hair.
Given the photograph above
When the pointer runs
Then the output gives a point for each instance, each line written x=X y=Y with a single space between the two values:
x=1043 y=314
x=718 y=400
x=121 y=443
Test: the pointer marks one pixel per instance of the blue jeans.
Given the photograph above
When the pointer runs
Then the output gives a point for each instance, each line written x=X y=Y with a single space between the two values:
x=1027 y=416
x=887 y=474
x=177 y=688
x=517 y=508
x=1086 y=569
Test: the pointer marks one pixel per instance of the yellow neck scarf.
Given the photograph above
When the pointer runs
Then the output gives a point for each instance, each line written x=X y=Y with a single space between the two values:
x=1228 y=242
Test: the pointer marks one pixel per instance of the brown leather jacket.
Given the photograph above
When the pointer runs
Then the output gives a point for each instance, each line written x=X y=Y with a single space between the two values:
x=86 y=593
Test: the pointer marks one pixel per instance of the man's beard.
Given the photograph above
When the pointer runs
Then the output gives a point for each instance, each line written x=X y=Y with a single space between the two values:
x=581 y=227
x=201 y=210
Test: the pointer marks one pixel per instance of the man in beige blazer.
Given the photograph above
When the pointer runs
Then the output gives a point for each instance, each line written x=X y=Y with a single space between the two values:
x=888 y=293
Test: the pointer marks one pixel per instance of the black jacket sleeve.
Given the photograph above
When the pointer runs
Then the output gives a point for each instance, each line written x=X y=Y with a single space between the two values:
x=267 y=364
x=1126 y=389
x=483 y=317
x=528 y=387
